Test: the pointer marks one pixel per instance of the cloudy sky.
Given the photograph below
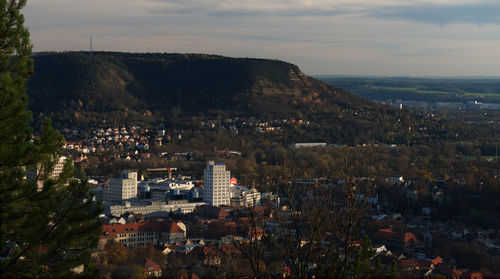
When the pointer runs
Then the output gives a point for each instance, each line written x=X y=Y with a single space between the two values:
x=352 y=37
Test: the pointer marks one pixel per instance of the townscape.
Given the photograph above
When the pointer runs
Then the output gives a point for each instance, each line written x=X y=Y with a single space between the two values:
x=172 y=216
x=169 y=216
x=162 y=164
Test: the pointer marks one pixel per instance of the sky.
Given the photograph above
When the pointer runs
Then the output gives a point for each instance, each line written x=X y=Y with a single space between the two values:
x=342 y=37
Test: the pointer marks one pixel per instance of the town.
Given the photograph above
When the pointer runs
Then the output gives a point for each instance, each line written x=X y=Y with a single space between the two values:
x=205 y=221
x=202 y=223
x=337 y=140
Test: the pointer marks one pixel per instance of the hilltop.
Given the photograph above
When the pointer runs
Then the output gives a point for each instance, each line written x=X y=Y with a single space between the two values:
x=78 y=89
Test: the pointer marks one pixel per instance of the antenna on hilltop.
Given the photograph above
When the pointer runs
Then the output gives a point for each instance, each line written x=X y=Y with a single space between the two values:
x=90 y=45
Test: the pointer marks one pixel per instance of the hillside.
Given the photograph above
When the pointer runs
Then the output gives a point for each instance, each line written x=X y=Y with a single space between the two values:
x=77 y=89
x=118 y=82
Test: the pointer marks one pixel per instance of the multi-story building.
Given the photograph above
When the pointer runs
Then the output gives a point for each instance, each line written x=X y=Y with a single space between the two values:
x=158 y=208
x=140 y=234
x=123 y=188
x=59 y=167
x=38 y=173
x=242 y=196
x=216 y=181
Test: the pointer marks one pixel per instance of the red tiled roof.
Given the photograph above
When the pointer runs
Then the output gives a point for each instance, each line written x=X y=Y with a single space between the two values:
x=111 y=231
x=230 y=224
x=230 y=250
x=203 y=251
x=409 y=264
x=437 y=260
x=150 y=264
x=443 y=269
x=172 y=227
x=257 y=232
x=472 y=275
x=402 y=237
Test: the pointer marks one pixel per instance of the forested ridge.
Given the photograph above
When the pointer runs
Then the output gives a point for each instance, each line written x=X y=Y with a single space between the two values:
x=77 y=89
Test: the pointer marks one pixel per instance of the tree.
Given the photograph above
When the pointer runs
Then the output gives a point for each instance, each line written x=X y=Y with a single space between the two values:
x=393 y=274
x=117 y=253
x=140 y=272
x=47 y=230
x=320 y=223
x=361 y=266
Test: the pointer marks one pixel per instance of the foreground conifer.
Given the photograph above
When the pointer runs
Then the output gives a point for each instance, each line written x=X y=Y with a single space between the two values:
x=46 y=230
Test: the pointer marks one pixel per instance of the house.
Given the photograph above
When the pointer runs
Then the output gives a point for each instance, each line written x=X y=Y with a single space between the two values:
x=256 y=233
x=447 y=271
x=185 y=274
x=206 y=255
x=380 y=249
x=472 y=275
x=404 y=240
x=426 y=210
x=409 y=266
x=174 y=232
x=140 y=234
x=117 y=220
x=395 y=180
x=151 y=268
x=459 y=232
x=212 y=212
x=8 y=251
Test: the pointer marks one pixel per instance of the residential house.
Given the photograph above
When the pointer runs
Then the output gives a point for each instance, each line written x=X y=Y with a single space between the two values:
x=151 y=268
x=403 y=240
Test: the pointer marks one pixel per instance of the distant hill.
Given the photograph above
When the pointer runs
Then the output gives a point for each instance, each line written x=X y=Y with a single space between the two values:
x=75 y=88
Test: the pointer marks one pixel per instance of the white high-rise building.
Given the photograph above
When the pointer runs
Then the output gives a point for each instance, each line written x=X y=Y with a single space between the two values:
x=38 y=173
x=123 y=188
x=58 y=167
x=216 y=184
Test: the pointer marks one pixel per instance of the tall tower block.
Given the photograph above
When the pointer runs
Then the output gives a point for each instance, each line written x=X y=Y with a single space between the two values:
x=216 y=181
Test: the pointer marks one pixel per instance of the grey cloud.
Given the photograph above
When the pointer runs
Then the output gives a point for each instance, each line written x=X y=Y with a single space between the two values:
x=290 y=39
x=482 y=13
x=198 y=7
x=328 y=12
x=477 y=13
x=235 y=13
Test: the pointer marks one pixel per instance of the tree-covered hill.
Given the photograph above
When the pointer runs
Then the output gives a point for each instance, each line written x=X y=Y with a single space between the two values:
x=135 y=83
x=79 y=89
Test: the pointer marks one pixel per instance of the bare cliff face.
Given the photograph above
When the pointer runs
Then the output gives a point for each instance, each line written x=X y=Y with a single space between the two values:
x=295 y=85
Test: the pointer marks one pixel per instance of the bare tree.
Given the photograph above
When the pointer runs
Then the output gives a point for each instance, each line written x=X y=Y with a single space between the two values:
x=319 y=226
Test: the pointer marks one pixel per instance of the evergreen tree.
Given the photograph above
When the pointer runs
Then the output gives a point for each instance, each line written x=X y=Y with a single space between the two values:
x=361 y=266
x=44 y=231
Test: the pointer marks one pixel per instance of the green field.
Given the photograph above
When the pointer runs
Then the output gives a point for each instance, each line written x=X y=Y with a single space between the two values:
x=423 y=91
x=482 y=94
x=410 y=89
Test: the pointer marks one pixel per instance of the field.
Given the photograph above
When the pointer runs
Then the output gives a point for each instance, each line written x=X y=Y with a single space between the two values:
x=421 y=89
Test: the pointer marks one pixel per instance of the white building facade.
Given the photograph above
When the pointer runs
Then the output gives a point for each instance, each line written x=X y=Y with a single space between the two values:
x=123 y=188
x=242 y=196
x=153 y=208
x=38 y=172
x=216 y=182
